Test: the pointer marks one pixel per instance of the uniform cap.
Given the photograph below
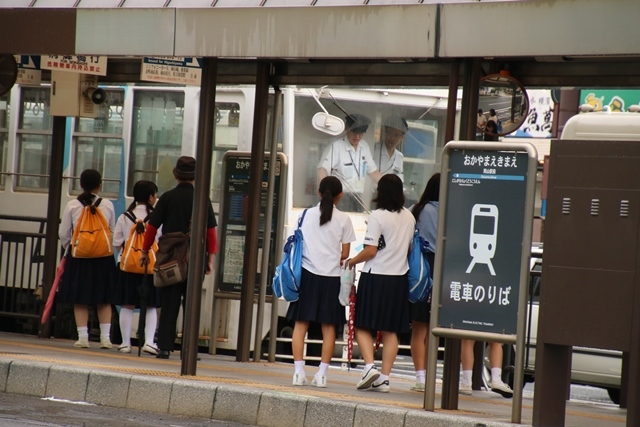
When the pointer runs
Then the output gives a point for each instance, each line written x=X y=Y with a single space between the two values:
x=397 y=122
x=357 y=123
x=185 y=168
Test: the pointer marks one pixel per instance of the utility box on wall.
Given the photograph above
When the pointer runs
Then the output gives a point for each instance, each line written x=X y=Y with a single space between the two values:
x=591 y=283
x=75 y=94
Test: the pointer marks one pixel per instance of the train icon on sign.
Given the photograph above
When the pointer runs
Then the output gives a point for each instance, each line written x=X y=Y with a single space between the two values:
x=483 y=236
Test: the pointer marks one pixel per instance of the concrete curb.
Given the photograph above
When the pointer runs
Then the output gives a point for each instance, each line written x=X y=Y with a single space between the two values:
x=206 y=400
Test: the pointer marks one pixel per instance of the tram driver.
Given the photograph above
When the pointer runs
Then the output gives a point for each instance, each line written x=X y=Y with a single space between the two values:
x=390 y=159
x=349 y=158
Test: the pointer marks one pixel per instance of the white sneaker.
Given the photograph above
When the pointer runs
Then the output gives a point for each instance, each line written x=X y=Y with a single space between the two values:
x=299 y=380
x=150 y=349
x=383 y=387
x=501 y=388
x=465 y=389
x=319 y=380
x=368 y=378
x=124 y=348
x=82 y=343
x=418 y=387
x=105 y=343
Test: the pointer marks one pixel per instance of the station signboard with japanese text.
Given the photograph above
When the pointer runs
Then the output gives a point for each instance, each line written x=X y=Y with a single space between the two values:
x=233 y=219
x=84 y=64
x=29 y=72
x=482 y=252
x=176 y=70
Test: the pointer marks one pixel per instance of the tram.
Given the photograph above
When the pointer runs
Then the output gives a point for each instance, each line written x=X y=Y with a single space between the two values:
x=141 y=130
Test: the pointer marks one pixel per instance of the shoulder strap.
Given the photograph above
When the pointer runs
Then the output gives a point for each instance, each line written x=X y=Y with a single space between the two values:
x=301 y=218
x=130 y=215
x=97 y=202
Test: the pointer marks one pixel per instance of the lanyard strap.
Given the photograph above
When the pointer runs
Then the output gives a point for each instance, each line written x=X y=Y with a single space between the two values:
x=353 y=163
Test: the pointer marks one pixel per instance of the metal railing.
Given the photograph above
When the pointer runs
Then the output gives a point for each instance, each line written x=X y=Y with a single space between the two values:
x=21 y=269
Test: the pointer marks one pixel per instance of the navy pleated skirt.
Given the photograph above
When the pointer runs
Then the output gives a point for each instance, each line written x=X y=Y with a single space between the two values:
x=87 y=281
x=129 y=291
x=318 y=300
x=382 y=303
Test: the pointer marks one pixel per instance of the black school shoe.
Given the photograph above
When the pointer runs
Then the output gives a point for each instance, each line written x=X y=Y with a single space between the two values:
x=162 y=354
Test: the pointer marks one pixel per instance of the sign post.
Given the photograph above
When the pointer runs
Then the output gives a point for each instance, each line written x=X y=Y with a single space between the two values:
x=481 y=266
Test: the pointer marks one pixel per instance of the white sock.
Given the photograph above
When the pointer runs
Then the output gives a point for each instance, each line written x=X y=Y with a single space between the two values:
x=150 y=326
x=126 y=319
x=367 y=367
x=83 y=333
x=299 y=366
x=421 y=376
x=323 y=368
x=496 y=374
x=382 y=378
x=466 y=377
x=105 y=330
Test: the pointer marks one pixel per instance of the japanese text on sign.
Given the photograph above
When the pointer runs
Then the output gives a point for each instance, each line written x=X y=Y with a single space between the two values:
x=96 y=65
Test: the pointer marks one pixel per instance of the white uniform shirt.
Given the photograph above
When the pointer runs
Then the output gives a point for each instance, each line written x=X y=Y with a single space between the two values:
x=123 y=227
x=322 y=245
x=397 y=229
x=71 y=215
x=351 y=165
x=386 y=164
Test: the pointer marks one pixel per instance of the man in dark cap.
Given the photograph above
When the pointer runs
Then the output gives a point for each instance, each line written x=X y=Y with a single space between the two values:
x=349 y=158
x=173 y=212
x=385 y=153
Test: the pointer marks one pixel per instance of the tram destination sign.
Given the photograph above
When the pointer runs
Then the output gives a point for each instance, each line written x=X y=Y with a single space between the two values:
x=482 y=250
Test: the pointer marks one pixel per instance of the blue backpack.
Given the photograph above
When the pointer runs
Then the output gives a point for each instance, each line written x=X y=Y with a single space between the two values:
x=419 y=275
x=286 y=281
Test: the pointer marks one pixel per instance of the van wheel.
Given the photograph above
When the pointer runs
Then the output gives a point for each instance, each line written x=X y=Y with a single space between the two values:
x=614 y=395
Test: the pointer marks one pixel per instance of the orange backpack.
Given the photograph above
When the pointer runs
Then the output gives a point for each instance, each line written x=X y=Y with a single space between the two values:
x=130 y=259
x=92 y=236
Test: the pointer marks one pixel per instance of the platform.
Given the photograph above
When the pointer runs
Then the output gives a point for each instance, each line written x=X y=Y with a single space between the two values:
x=250 y=393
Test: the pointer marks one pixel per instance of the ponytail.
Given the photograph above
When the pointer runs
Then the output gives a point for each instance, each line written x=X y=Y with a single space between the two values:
x=326 y=207
x=330 y=188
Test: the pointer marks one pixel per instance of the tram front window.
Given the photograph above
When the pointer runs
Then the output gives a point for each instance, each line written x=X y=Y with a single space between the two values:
x=397 y=132
x=156 y=137
x=34 y=140
x=4 y=136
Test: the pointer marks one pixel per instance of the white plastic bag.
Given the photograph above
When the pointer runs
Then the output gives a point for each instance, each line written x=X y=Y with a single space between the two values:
x=347 y=278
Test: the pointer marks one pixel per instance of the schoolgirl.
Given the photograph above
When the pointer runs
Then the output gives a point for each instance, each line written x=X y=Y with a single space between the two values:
x=328 y=234
x=382 y=301
x=127 y=293
x=87 y=281
x=426 y=214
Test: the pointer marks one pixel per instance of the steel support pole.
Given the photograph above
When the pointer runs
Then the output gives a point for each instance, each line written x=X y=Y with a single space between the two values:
x=266 y=241
x=452 y=102
x=51 y=244
x=253 y=221
x=201 y=205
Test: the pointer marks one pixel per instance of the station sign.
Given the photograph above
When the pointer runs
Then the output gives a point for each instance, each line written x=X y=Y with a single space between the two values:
x=29 y=72
x=482 y=252
x=177 y=70
x=96 y=65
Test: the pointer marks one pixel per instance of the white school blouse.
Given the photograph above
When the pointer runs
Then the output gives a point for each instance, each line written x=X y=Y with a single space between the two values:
x=397 y=229
x=322 y=245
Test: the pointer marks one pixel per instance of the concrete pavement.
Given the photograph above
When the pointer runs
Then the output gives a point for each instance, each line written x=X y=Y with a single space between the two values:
x=250 y=393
